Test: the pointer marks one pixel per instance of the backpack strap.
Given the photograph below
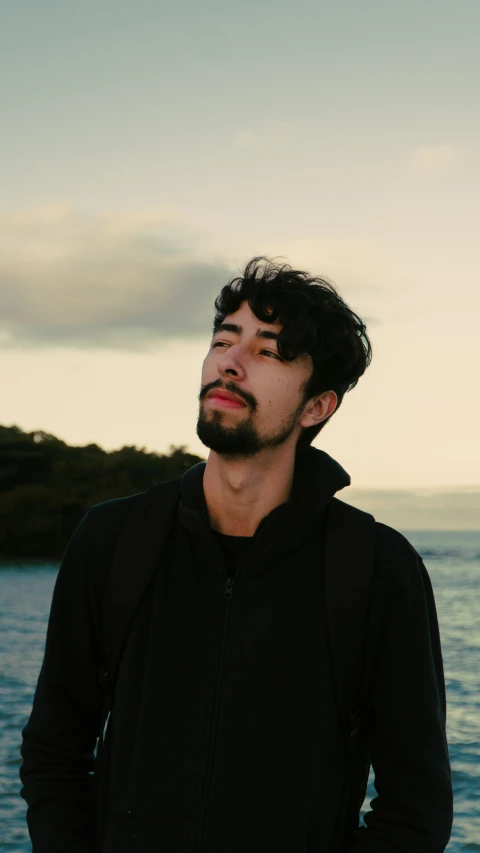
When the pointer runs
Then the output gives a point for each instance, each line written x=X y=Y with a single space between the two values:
x=349 y=556
x=349 y=561
x=133 y=568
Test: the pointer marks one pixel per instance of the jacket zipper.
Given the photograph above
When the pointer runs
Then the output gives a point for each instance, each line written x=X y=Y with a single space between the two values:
x=199 y=826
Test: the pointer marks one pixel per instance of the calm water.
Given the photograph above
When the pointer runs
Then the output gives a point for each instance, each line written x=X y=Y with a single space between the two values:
x=453 y=562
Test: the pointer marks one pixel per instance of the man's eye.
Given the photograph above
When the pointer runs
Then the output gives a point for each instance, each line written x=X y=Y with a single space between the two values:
x=262 y=352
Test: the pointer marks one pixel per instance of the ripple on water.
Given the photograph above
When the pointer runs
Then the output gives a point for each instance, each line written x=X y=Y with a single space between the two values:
x=455 y=575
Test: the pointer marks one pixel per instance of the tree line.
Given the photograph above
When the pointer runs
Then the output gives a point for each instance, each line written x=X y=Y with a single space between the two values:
x=46 y=486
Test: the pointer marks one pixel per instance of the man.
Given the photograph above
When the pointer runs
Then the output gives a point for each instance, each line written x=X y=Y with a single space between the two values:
x=224 y=735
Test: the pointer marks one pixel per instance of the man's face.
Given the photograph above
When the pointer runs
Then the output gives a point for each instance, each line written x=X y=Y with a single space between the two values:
x=269 y=390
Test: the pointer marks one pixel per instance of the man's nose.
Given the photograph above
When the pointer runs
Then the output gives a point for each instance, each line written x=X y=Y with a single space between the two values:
x=231 y=362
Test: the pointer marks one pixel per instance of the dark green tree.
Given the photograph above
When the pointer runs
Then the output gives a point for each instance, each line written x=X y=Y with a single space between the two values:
x=46 y=486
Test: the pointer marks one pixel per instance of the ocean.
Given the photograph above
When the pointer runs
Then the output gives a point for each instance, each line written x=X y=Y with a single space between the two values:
x=453 y=562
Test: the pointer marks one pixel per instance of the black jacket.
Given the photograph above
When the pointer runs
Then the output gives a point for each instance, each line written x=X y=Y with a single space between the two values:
x=223 y=736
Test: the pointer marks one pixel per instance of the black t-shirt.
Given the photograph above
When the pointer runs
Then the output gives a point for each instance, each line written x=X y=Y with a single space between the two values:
x=234 y=549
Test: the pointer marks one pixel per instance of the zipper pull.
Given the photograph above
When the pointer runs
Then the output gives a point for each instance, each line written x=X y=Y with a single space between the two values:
x=229 y=587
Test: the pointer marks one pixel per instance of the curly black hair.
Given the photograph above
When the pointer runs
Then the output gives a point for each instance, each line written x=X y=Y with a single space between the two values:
x=315 y=320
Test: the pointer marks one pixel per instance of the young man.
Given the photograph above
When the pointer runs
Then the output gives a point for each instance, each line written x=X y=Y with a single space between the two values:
x=224 y=735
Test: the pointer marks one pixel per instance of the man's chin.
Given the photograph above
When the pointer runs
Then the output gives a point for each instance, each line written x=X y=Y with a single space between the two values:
x=227 y=442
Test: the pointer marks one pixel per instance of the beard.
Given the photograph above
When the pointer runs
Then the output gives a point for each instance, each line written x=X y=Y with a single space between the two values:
x=242 y=440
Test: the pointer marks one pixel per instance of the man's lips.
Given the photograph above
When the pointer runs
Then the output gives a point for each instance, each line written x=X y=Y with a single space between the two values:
x=226 y=399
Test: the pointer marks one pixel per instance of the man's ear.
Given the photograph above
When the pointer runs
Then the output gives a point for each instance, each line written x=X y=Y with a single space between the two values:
x=319 y=408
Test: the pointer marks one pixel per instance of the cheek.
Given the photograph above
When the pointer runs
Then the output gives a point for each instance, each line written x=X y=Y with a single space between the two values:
x=207 y=367
x=277 y=395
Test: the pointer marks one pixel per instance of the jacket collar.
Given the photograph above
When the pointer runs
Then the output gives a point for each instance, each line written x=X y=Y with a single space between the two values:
x=317 y=478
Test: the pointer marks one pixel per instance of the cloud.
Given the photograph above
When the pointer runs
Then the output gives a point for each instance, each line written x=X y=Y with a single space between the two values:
x=107 y=281
x=428 y=159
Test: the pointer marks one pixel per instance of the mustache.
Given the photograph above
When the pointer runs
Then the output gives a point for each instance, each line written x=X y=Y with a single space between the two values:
x=228 y=386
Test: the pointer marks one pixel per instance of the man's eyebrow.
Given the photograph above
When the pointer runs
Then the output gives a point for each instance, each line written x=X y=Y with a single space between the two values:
x=237 y=330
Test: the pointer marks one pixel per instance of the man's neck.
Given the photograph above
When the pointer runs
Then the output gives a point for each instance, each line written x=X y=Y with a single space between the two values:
x=240 y=492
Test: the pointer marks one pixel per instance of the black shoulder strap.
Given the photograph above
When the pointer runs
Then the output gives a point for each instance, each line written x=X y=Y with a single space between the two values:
x=349 y=563
x=134 y=564
x=133 y=567
x=352 y=624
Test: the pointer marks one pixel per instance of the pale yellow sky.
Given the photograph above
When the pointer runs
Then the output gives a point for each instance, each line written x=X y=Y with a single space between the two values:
x=145 y=172
x=410 y=422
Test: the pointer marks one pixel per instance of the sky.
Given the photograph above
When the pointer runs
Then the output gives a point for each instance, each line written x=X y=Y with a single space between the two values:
x=150 y=149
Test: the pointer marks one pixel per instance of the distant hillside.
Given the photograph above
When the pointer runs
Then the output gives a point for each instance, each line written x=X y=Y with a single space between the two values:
x=46 y=486
x=454 y=508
